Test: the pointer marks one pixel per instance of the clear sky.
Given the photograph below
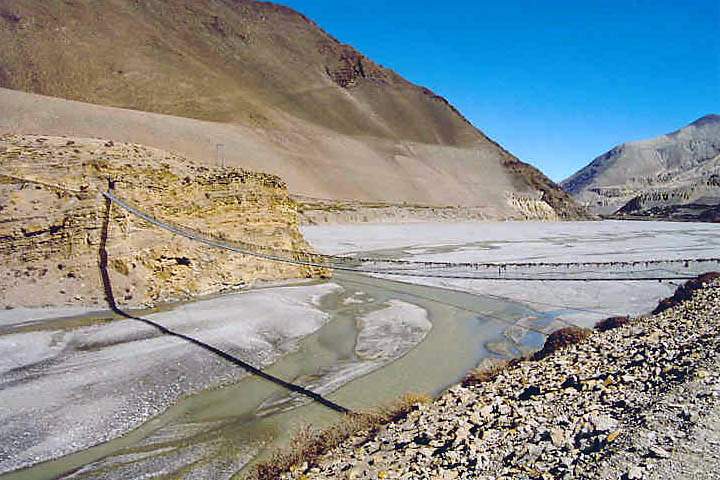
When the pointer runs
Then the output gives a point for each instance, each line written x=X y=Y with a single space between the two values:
x=555 y=82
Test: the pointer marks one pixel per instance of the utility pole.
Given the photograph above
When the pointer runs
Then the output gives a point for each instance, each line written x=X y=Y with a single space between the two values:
x=219 y=154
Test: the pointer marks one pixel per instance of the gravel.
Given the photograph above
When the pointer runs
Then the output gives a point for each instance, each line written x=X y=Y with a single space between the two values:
x=640 y=401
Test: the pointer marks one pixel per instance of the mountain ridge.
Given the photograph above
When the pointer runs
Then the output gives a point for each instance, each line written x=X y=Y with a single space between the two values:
x=654 y=176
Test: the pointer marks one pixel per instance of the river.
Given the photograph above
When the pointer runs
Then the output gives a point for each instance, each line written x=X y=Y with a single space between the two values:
x=217 y=432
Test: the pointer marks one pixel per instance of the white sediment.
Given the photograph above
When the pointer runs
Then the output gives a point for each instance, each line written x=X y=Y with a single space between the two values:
x=384 y=335
x=65 y=390
x=391 y=332
x=579 y=302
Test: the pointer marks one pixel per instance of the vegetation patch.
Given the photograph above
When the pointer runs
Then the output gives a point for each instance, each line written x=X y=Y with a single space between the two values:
x=560 y=339
x=485 y=373
x=684 y=292
x=611 y=323
x=309 y=444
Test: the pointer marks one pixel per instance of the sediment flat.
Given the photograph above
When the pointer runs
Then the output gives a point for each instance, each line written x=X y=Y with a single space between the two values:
x=67 y=389
x=581 y=303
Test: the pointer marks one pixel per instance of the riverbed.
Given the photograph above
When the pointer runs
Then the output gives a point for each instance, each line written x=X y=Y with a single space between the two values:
x=99 y=397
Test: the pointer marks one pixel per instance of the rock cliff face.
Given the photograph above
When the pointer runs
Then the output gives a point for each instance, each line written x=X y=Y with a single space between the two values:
x=673 y=176
x=529 y=206
x=280 y=94
x=53 y=216
x=533 y=208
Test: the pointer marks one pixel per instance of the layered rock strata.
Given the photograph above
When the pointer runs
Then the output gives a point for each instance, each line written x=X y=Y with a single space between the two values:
x=53 y=214
x=314 y=211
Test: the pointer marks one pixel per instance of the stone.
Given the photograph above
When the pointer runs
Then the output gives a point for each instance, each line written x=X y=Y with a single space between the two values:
x=558 y=437
x=634 y=473
x=603 y=423
x=659 y=452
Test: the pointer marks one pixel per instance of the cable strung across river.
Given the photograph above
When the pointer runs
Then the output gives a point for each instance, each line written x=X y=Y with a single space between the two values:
x=621 y=270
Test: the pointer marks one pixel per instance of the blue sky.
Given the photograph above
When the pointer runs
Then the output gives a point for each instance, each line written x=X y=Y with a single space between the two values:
x=555 y=82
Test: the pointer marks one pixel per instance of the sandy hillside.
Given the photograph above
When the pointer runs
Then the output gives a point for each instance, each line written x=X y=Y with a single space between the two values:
x=285 y=97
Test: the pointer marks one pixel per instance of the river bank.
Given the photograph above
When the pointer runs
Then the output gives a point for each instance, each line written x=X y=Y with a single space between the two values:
x=637 y=401
x=360 y=355
x=74 y=382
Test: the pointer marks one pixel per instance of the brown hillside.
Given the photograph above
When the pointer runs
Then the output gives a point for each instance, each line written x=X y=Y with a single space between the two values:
x=229 y=61
x=282 y=95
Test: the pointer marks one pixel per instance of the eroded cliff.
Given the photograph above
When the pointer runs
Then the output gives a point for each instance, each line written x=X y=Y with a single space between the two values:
x=53 y=212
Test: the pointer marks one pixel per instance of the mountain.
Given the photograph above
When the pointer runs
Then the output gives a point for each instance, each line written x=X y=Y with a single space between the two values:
x=672 y=176
x=266 y=82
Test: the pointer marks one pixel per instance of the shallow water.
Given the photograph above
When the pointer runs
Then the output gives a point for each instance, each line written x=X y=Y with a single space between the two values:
x=217 y=432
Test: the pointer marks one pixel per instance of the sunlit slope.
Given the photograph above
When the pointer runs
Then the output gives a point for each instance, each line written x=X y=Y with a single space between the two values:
x=675 y=175
x=283 y=96
x=229 y=61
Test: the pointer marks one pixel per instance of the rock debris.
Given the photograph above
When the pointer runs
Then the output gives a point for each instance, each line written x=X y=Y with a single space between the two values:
x=639 y=401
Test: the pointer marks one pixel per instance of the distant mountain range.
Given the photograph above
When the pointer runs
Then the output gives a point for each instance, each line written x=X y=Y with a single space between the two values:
x=674 y=176
x=279 y=93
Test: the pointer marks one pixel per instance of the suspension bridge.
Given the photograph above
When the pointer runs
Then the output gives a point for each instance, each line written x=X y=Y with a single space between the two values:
x=596 y=271
x=591 y=271
x=669 y=269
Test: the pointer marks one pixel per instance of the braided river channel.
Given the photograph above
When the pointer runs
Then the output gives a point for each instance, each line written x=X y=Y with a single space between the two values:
x=373 y=340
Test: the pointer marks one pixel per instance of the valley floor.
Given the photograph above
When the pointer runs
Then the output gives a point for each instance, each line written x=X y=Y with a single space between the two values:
x=72 y=382
x=581 y=303
x=117 y=398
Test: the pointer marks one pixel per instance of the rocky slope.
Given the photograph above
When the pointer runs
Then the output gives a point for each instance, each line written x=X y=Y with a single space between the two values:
x=283 y=96
x=52 y=218
x=673 y=176
x=624 y=403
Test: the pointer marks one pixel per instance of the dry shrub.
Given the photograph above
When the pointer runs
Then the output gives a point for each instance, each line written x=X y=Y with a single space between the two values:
x=560 y=339
x=611 y=323
x=485 y=373
x=309 y=444
x=684 y=292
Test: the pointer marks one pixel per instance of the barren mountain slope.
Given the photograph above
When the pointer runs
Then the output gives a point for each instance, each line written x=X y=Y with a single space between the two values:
x=315 y=161
x=282 y=94
x=231 y=61
x=674 y=175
